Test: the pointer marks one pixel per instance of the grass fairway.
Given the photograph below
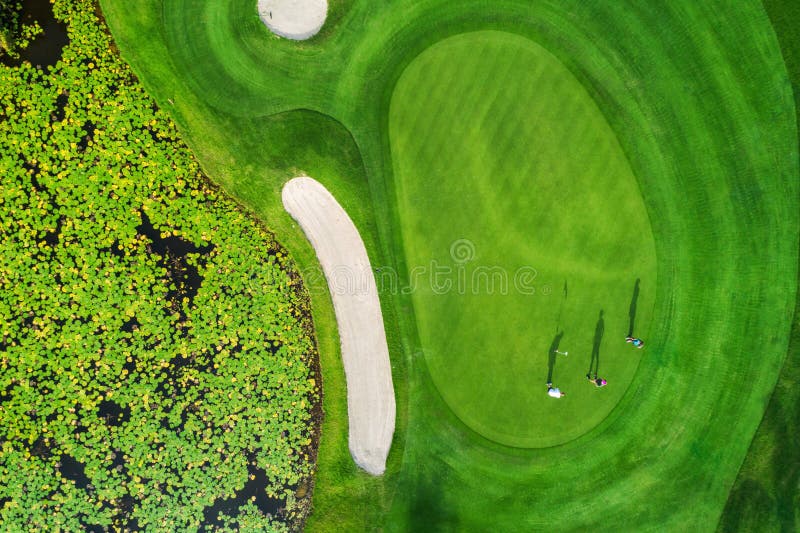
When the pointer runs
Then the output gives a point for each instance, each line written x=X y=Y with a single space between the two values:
x=766 y=495
x=698 y=99
x=517 y=200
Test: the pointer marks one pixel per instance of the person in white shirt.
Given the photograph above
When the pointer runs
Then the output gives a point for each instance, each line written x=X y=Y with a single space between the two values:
x=554 y=392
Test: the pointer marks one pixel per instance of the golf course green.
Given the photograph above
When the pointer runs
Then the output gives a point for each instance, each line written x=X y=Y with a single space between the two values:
x=587 y=145
x=523 y=172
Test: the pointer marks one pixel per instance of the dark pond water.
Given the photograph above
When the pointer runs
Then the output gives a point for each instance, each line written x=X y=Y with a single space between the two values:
x=173 y=252
x=113 y=413
x=45 y=50
x=254 y=488
x=72 y=469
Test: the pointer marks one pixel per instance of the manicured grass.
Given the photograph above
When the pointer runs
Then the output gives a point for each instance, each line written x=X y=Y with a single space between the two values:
x=697 y=96
x=523 y=172
x=766 y=495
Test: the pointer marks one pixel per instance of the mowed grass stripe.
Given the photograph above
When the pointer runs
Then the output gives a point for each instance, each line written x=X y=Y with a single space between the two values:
x=766 y=493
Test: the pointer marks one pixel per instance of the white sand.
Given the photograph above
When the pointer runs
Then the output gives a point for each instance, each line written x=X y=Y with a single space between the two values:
x=293 y=19
x=341 y=252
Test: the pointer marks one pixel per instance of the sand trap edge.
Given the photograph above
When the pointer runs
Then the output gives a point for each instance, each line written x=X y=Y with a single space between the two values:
x=297 y=20
x=365 y=353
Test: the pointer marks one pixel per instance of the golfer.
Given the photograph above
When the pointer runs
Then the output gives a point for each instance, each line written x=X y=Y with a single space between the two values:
x=554 y=392
x=598 y=382
x=639 y=343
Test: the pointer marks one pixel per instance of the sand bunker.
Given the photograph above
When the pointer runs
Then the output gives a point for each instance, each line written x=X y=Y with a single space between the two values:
x=293 y=19
x=341 y=252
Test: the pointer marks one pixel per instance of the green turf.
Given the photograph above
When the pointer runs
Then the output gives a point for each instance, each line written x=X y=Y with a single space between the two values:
x=766 y=495
x=523 y=171
x=698 y=97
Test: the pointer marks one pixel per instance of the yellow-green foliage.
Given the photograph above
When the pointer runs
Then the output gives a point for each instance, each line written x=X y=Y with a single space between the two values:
x=15 y=35
x=210 y=385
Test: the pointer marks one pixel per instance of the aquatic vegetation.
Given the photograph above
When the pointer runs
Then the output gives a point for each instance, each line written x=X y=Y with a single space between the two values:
x=15 y=34
x=157 y=363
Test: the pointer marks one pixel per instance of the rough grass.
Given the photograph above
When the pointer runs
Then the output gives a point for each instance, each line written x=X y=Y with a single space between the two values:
x=699 y=99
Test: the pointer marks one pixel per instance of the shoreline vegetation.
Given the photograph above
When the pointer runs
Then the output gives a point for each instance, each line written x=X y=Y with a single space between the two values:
x=16 y=32
x=158 y=366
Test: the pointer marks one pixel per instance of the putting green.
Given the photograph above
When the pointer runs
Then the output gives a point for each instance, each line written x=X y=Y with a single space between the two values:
x=521 y=222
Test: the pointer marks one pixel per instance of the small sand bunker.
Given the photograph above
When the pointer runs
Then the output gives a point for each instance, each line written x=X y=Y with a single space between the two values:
x=293 y=19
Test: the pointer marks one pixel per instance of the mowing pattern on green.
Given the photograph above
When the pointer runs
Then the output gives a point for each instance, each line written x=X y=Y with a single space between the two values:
x=513 y=156
x=766 y=495
x=698 y=97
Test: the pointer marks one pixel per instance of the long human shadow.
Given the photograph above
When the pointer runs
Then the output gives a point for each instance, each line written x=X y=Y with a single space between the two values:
x=599 y=329
x=632 y=308
x=551 y=356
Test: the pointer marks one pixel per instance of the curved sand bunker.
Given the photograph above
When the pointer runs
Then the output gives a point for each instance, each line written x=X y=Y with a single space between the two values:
x=293 y=19
x=341 y=252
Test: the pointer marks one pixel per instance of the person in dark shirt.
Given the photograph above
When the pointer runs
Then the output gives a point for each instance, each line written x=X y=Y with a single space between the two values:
x=598 y=382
